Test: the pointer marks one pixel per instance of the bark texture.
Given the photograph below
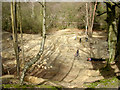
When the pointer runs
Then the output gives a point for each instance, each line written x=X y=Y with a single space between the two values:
x=112 y=31
x=14 y=31
x=34 y=60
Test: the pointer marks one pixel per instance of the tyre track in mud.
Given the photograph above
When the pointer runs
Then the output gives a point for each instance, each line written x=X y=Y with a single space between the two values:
x=70 y=68
x=51 y=50
x=72 y=63
x=68 y=76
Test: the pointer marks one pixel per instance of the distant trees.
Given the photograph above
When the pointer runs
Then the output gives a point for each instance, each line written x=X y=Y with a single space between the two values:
x=90 y=15
x=59 y=16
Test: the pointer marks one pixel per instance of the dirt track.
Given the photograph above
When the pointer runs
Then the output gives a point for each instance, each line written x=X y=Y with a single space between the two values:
x=59 y=61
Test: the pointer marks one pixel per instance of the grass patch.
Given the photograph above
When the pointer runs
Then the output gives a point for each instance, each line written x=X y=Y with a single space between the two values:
x=29 y=86
x=105 y=83
x=17 y=86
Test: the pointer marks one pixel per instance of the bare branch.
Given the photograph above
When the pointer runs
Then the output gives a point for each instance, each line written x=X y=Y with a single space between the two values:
x=116 y=4
x=41 y=4
x=102 y=13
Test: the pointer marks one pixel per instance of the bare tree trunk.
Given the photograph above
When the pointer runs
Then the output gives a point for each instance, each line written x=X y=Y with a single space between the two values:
x=90 y=17
x=91 y=29
x=90 y=13
x=20 y=18
x=117 y=56
x=15 y=37
x=86 y=32
x=112 y=31
x=32 y=15
x=12 y=19
x=34 y=60
x=16 y=41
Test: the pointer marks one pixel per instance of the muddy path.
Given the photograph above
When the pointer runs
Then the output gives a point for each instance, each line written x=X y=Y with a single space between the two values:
x=59 y=61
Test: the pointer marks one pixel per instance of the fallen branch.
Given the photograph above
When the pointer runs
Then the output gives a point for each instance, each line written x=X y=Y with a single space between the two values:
x=34 y=80
x=7 y=76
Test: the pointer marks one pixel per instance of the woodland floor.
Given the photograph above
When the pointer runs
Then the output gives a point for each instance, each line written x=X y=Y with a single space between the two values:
x=58 y=62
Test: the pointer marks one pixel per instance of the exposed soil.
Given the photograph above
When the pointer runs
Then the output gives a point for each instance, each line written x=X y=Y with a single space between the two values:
x=59 y=61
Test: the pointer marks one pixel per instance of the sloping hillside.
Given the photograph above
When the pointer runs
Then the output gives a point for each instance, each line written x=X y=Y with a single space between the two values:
x=60 y=60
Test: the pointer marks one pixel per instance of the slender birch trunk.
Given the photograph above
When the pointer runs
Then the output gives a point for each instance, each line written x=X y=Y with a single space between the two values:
x=86 y=32
x=34 y=60
x=16 y=40
x=15 y=37
x=90 y=17
x=20 y=23
x=93 y=16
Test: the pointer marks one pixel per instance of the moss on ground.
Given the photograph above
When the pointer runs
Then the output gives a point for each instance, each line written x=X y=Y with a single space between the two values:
x=29 y=86
x=105 y=83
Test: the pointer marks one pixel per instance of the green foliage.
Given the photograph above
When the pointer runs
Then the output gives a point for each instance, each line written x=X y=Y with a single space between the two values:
x=6 y=17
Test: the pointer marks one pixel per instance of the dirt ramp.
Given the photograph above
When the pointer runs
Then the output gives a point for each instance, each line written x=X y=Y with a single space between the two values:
x=61 y=61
